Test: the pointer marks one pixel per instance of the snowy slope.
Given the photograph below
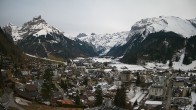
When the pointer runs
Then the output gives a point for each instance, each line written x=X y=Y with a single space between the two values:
x=176 y=65
x=104 y=42
x=170 y=23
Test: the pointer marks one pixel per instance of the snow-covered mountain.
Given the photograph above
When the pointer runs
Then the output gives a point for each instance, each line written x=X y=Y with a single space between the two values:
x=157 y=39
x=38 y=38
x=37 y=35
x=167 y=24
x=35 y=27
x=104 y=42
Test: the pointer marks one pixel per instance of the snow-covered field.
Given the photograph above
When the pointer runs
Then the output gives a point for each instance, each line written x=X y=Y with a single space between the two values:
x=149 y=65
x=102 y=60
x=176 y=65
x=120 y=66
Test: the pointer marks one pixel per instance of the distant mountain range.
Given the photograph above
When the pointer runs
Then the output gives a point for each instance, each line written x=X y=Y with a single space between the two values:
x=102 y=43
x=151 y=39
x=38 y=38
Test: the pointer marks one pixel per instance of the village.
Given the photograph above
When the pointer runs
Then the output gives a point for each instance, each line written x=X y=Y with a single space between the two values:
x=79 y=83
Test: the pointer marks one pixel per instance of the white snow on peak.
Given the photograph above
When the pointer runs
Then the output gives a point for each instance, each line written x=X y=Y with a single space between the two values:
x=69 y=36
x=41 y=32
x=36 y=27
x=170 y=23
x=104 y=42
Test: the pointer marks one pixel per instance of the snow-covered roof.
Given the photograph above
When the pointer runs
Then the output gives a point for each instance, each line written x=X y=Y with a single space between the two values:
x=148 y=102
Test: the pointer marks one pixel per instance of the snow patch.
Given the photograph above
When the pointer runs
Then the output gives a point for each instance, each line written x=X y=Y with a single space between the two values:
x=148 y=102
x=41 y=32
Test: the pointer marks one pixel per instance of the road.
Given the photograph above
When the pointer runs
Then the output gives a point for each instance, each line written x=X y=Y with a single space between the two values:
x=12 y=103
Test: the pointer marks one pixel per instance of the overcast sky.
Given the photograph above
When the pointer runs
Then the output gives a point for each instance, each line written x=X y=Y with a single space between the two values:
x=98 y=16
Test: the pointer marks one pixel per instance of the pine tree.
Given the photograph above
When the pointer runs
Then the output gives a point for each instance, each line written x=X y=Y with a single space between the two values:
x=98 y=96
x=117 y=97
x=63 y=85
x=138 y=82
x=47 y=86
x=170 y=64
x=85 y=82
x=123 y=97
x=77 y=99
x=187 y=60
x=120 y=97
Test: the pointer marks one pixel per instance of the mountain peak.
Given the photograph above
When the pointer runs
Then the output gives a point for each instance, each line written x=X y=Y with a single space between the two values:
x=38 y=26
x=32 y=23
x=104 y=42
x=81 y=35
x=37 y=17
x=10 y=24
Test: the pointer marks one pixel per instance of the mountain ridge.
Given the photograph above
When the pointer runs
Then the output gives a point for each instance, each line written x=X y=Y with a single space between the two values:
x=38 y=38
x=104 y=42
x=49 y=39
